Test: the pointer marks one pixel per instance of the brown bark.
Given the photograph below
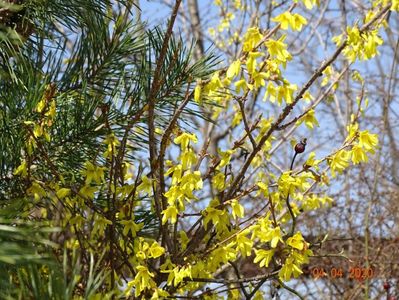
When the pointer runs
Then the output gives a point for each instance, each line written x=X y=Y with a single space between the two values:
x=196 y=28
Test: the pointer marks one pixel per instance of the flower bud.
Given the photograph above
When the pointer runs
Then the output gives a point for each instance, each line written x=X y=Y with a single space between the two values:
x=300 y=147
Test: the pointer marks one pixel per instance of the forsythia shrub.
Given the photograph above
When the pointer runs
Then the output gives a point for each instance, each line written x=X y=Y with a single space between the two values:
x=199 y=202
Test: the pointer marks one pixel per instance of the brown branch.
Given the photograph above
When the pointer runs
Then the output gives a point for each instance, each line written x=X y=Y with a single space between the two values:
x=224 y=281
x=156 y=84
x=161 y=157
x=247 y=129
x=313 y=105
x=244 y=291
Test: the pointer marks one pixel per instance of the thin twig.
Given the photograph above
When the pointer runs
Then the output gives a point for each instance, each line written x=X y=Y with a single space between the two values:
x=156 y=83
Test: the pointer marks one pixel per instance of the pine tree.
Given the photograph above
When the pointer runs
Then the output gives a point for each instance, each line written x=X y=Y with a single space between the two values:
x=77 y=78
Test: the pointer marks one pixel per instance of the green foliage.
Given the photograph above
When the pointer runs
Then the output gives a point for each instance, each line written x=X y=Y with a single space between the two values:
x=70 y=74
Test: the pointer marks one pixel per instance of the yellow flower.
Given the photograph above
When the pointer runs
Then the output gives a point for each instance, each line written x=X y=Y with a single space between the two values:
x=244 y=244
x=263 y=188
x=313 y=202
x=362 y=46
x=371 y=43
x=22 y=169
x=237 y=209
x=395 y=5
x=63 y=192
x=155 y=250
x=41 y=105
x=251 y=61
x=177 y=173
x=309 y=119
x=214 y=84
x=275 y=237
x=77 y=220
x=358 y=154
x=242 y=85
x=267 y=233
x=310 y=3
x=288 y=269
x=197 y=93
x=36 y=191
x=100 y=223
x=145 y=185
x=286 y=92
x=38 y=130
x=259 y=79
x=111 y=141
x=52 y=110
x=93 y=172
x=297 y=241
x=251 y=39
x=368 y=141
x=187 y=158
x=212 y=214
x=190 y=182
x=183 y=239
x=160 y=294
x=278 y=49
x=88 y=191
x=142 y=280
x=177 y=275
x=339 y=161
x=170 y=214
x=175 y=194
x=271 y=92
x=184 y=139
x=218 y=181
x=237 y=118
x=286 y=19
x=130 y=225
x=352 y=131
x=234 y=69
x=312 y=162
x=263 y=257
x=225 y=157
